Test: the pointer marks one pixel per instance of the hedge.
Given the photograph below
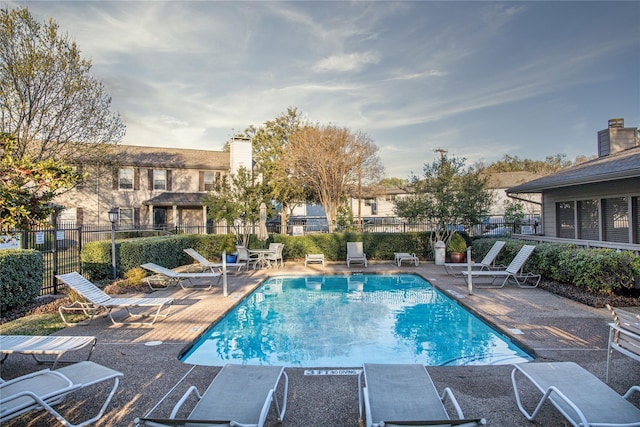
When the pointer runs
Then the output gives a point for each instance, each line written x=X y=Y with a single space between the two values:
x=20 y=277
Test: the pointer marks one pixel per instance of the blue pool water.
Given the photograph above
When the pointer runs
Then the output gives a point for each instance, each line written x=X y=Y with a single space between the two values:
x=344 y=321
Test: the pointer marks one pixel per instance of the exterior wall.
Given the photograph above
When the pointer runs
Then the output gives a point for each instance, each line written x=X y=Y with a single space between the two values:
x=90 y=202
x=603 y=190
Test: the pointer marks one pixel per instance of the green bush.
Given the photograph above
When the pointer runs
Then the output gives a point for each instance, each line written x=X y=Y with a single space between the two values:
x=457 y=244
x=20 y=277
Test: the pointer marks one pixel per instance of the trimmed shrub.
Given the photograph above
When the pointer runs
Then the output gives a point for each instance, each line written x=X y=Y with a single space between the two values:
x=20 y=277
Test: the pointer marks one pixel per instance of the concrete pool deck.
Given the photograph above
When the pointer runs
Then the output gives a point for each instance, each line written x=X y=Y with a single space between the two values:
x=553 y=328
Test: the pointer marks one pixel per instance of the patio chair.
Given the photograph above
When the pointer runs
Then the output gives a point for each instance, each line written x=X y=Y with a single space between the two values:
x=624 y=335
x=487 y=263
x=95 y=300
x=580 y=396
x=398 y=257
x=240 y=395
x=404 y=394
x=275 y=254
x=513 y=271
x=214 y=267
x=168 y=277
x=39 y=346
x=355 y=253
x=44 y=389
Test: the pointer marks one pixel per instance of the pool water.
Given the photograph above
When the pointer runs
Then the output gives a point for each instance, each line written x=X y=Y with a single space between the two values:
x=345 y=321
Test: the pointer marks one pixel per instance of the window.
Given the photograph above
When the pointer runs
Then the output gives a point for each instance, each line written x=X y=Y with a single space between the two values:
x=159 y=179
x=635 y=203
x=210 y=180
x=125 y=179
x=565 y=223
x=126 y=217
x=588 y=220
x=615 y=216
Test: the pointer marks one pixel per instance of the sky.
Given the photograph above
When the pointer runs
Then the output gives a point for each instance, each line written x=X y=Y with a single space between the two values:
x=480 y=79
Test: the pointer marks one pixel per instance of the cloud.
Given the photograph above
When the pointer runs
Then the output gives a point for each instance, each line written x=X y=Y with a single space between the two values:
x=347 y=62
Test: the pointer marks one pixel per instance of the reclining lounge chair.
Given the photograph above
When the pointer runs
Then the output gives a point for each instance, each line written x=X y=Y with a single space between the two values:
x=96 y=301
x=399 y=394
x=39 y=346
x=487 y=263
x=214 y=267
x=240 y=395
x=355 y=253
x=624 y=335
x=44 y=389
x=580 y=396
x=168 y=277
x=513 y=271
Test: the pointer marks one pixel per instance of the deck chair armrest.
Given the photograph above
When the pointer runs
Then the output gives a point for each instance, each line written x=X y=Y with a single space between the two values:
x=448 y=393
x=163 y=422
x=633 y=389
x=183 y=399
x=473 y=422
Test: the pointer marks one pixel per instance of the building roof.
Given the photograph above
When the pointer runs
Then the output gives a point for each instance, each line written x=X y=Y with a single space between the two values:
x=177 y=199
x=175 y=158
x=622 y=165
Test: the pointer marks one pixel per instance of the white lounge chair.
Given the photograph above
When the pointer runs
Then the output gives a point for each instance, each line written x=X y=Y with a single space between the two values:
x=580 y=396
x=355 y=253
x=487 y=263
x=96 y=301
x=39 y=346
x=214 y=267
x=314 y=258
x=624 y=335
x=44 y=389
x=168 y=277
x=404 y=394
x=404 y=256
x=240 y=395
x=513 y=271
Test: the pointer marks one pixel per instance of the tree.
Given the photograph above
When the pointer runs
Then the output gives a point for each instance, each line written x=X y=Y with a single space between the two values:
x=549 y=165
x=237 y=201
x=269 y=143
x=27 y=187
x=331 y=162
x=448 y=195
x=50 y=102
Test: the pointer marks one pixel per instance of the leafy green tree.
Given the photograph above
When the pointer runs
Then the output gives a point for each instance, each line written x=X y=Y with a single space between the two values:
x=50 y=102
x=237 y=202
x=549 y=165
x=514 y=213
x=447 y=195
x=280 y=180
x=27 y=187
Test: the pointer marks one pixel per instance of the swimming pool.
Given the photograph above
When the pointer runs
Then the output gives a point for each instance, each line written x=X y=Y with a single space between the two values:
x=344 y=321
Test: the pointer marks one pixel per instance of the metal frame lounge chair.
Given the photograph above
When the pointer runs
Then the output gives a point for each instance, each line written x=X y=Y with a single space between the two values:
x=44 y=389
x=487 y=263
x=167 y=277
x=212 y=266
x=355 y=253
x=240 y=395
x=624 y=335
x=398 y=257
x=96 y=301
x=513 y=271
x=38 y=346
x=580 y=396
x=404 y=394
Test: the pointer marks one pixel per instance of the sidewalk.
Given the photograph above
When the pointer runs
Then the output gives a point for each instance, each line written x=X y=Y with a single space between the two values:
x=551 y=327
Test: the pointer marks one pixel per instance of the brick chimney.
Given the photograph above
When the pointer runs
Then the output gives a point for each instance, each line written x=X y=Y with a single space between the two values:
x=616 y=138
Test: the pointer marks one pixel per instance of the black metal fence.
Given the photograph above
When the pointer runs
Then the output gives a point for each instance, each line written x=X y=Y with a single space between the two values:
x=61 y=245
